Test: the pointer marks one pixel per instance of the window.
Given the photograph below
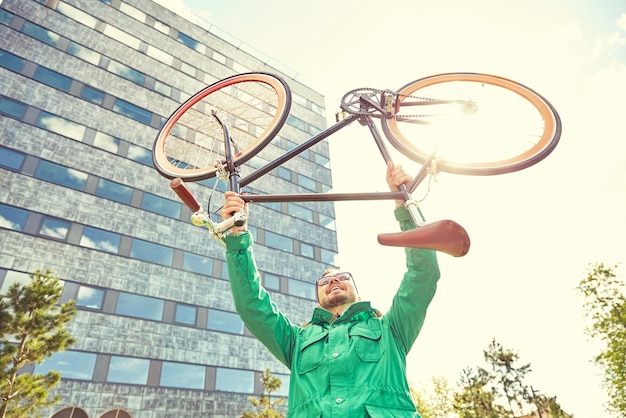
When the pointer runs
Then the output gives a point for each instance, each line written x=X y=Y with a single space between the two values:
x=132 y=111
x=77 y=15
x=71 y=365
x=91 y=94
x=61 y=175
x=224 y=270
x=327 y=222
x=302 y=289
x=106 y=142
x=40 y=33
x=284 y=173
x=11 y=159
x=307 y=182
x=307 y=250
x=52 y=78
x=14 y=277
x=12 y=108
x=232 y=380
x=162 y=88
x=11 y=62
x=225 y=322
x=89 y=297
x=83 y=53
x=154 y=253
x=139 y=306
x=185 y=314
x=12 y=218
x=328 y=257
x=160 y=205
x=100 y=239
x=133 y=12
x=318 y=109
x=159 y=55
x=5 y=17
x=128 y=370
x=189 y=41
x=293 y=121
x=280 y=242
x=313 y=130
x=121 y=36
x=60 y=126
x=284 y=386
x=54 y=228
x=126 y=72
x=139 y=154
x=271 y=281
x=178 y=375
x=300 y=212
x=114 y=191
x=197 y=263
x=321 y=160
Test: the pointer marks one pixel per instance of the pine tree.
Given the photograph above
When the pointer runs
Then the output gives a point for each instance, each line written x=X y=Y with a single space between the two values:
x=264 y=407
x=32 y=328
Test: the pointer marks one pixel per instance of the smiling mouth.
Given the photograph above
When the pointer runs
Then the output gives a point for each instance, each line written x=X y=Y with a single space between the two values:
x=332 y=289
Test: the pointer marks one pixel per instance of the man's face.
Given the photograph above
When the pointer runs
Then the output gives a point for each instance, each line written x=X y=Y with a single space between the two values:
x=336 y=288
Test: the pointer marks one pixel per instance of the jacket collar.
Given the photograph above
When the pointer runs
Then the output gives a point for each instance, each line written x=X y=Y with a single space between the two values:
x=356 y=312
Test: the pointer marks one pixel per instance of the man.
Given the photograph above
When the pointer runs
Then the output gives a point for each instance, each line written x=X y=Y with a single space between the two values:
x=349 y=361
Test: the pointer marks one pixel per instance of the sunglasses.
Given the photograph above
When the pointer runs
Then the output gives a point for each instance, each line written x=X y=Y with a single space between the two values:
x=342 y=277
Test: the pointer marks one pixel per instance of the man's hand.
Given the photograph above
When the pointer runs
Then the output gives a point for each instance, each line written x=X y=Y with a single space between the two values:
x=396 y=176
x=233 y=204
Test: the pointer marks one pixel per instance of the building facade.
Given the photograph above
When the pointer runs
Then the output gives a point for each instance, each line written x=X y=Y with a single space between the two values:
x=84 y=87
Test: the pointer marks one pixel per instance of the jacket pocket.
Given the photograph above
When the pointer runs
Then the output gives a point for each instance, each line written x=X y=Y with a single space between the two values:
x=367 y=341
x=311 y=352
x=387 y=412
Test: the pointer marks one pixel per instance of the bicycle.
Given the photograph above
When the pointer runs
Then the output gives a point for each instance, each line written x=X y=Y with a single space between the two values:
x=224 y=125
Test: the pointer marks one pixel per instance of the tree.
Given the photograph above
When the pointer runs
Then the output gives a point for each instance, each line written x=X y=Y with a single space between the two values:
x=482 y=391
x=475 y=399
x=435 y=404
x=507 y=377
x=32 y=328
x=605 y=305
x=264 y=407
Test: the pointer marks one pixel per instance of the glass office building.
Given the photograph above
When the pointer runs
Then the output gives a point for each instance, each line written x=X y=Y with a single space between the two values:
x=84 y=87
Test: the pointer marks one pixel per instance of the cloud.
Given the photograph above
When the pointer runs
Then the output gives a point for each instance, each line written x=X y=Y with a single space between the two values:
x=621 y=22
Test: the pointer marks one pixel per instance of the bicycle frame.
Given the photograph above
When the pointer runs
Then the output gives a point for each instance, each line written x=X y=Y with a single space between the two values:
x=449 y=231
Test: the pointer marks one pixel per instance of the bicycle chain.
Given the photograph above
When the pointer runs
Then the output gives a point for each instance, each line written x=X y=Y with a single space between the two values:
x=395 y=95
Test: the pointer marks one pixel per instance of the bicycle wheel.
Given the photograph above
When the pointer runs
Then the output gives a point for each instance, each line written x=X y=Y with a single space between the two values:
x=476 y=124
x=253 y=107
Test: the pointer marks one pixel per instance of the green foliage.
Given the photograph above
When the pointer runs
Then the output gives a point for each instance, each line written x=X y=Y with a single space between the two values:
x=32 y=328
x=435 y=404
x=263 y=406
x=475 y=399
x=507 y=377
x=605 y=305
x=495 y=391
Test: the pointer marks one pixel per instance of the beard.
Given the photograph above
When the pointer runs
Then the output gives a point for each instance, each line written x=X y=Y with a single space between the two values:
x=340 y=299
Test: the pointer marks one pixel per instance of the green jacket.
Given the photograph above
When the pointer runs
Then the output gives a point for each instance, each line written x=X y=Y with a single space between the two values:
x=350 y=366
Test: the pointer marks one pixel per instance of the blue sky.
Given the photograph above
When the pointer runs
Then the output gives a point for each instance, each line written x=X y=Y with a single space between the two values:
x=533 y=232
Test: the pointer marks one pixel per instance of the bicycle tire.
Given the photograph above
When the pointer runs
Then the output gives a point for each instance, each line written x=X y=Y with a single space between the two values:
x=499 y=123
x=253 y=106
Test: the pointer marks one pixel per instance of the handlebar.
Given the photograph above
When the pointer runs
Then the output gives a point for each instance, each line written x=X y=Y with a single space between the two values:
x=200 y=218
x=446 y=236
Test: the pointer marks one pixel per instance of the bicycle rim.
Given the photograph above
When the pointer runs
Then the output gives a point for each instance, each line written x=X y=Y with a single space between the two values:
x=475 y=124
x=253 y=107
